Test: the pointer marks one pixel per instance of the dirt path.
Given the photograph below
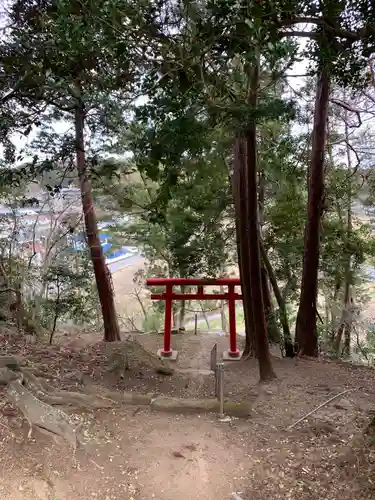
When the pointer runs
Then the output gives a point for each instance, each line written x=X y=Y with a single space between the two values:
x=129 y=453
x=143 y=456
x=132 y=453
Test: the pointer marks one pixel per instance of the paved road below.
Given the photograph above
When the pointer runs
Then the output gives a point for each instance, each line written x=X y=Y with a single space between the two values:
x=129 y=261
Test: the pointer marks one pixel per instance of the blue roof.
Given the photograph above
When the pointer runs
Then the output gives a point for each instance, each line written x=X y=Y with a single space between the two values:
x=78 y=245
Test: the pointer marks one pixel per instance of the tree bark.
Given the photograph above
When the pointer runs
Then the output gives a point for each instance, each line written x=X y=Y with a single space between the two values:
x=269 y=311
x=102 y=275
x=255 y=280
x=306 y=331
x=261 y=340
x=239 y=181
x=288 y=344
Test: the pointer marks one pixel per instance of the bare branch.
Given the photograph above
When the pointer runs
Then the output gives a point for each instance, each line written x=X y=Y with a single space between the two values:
x=355 y=168
x=300 y=34
x=318 y=408
x=347 y=107
x=305 y=75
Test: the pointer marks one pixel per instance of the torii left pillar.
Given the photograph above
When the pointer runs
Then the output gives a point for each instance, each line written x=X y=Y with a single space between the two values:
x=166 y=351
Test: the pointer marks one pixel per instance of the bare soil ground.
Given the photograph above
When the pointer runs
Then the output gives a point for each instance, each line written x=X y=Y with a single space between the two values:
x=131 y=452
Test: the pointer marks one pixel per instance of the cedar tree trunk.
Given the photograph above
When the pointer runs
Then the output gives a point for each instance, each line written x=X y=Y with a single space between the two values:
x=239 y=181
x=255 y=280
x=102 y=274
x=306 y=331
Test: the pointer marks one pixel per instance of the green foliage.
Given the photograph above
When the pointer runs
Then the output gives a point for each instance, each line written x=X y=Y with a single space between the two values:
x=370 y=338
x=69 y=292
x=153 y=321
x=58 y=54
x=191 y=236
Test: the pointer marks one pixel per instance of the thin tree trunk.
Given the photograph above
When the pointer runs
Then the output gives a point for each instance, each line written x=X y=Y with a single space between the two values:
x=222 y=313
x=332 y=309
x=343 y=320
x=348 y=311
x=289 y=281
x=306 y=331
x=346 y=316
x=288 y=344
x=272 y=328
x=204 y=315
x=338 y=281
x=347 y=339
x=181 y=320
x=56 y=315
x=141 y=305
x=261 y=197
x=102 y=275
x=255 y=280
x=348 y=326
x=326 y=313
x=269 y=311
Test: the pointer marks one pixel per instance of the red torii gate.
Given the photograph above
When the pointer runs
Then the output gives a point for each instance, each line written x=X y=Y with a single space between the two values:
x=169 y=296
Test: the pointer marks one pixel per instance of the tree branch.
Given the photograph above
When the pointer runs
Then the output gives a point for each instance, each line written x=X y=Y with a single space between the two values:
x=347 y=107
x=300 y=34
x=334 y=30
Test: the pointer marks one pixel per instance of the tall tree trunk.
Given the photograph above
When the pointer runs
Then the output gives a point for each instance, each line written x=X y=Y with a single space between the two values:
x=288 y=344
x=255 y=280
x=306 y=331
x=272 y=328
x=239 y=181
x=102 y=274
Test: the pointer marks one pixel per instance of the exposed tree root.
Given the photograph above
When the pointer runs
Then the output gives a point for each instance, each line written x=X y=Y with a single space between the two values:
x=166 y=403
x=36 y=400
x=182 y=405
x=12 y=362
x=48 y=395
x=7 y=376
x=40 y=414
x=120 y=397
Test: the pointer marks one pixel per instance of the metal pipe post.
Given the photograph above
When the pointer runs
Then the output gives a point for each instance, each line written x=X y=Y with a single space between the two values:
x=220 y=373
